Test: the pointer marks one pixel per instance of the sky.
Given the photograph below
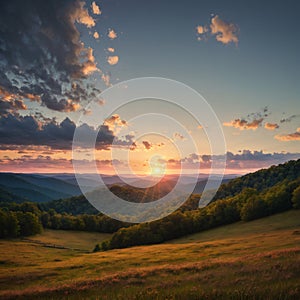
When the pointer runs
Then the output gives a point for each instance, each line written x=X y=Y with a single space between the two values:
x=241 y=57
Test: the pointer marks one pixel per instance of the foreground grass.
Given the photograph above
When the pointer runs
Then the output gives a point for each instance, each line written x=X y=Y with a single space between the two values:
x=255 y=260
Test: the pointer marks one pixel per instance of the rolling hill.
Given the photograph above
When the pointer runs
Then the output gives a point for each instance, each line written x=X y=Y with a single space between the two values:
x=253 y=260
x=36 y=188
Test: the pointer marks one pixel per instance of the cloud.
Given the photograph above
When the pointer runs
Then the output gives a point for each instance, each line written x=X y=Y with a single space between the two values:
x=115 y=121
x=82 y=16
x=271 y=126
x=46 y=163
x=96 y=9
x=42 y=54
x=101 y=102
x=201 y=32
x=89 y=66
x=29 y=131
x=87 y=112
x=106 y=79
x=242 y=162
x=110 y=49
x=113 y=60
x=133 y=146
x=10 y=103
x=112 y=34
x=252 y=121
x=178 y=136
x=244 y=124
x=63 y=105
x=96 y=35
x=147 y=145
x=224 y=32
x=288 y=119
x=289 y=137
x=201 y=29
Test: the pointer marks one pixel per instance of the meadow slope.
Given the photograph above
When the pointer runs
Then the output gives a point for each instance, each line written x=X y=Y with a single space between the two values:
x=253 y=260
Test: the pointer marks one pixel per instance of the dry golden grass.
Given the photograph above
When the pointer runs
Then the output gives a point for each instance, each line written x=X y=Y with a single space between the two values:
x=80 y=240
x=255 y=260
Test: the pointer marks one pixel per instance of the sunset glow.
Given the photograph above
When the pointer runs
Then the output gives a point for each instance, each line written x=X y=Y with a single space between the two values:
x=45 y=91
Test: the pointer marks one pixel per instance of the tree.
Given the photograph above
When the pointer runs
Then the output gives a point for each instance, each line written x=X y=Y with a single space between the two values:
x=296 y=198
x=278 y=198
x=97 y=248
x=29 y=223
x=13 y=228
x=9 y=226
x=253 y=209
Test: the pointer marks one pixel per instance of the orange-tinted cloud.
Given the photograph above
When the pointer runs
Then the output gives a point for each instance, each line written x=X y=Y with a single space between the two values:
x=10 y=102
x=33 y=97
x=178 y=136
x=82 y=16
x=101 y=102
x=70 y=106
x=115 y=121
x=201 y=29
x=106 y=79
x=96 y=35
x=224 y=32
x=110 y=49
x=147 y=145
x=289 y=137
x=271 y=126
x=244 y=124
x=96 y=9
x=89 y=66
x=112 y=34
x=113 y=60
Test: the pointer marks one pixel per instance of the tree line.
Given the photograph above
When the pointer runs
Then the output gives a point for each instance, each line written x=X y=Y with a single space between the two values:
x=18 y=223
x=28 y=218
x=274 y=190
x=247 y=205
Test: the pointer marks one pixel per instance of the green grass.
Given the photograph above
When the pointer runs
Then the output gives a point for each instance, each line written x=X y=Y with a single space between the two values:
x=255 y=260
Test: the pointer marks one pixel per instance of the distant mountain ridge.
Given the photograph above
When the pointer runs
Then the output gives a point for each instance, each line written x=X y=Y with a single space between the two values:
x=48 y=187
x=36 y=188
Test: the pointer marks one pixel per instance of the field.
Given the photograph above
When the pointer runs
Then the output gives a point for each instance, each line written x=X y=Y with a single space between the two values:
x=254 y=260
x=76 y=240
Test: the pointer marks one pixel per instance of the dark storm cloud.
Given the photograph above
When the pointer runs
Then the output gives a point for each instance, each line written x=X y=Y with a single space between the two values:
x=41 y=53
x=16 y=131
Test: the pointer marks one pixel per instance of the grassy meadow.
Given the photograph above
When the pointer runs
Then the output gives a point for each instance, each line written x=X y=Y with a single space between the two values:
x=253 y=260
x=76 y=240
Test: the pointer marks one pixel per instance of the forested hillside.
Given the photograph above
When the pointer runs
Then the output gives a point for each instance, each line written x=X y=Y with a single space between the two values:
x=261 y=179
x=250 y=197
x=246 y=198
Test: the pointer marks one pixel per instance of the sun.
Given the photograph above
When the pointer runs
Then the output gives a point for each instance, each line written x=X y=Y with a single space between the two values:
x=158 y=166
x=157 y=171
